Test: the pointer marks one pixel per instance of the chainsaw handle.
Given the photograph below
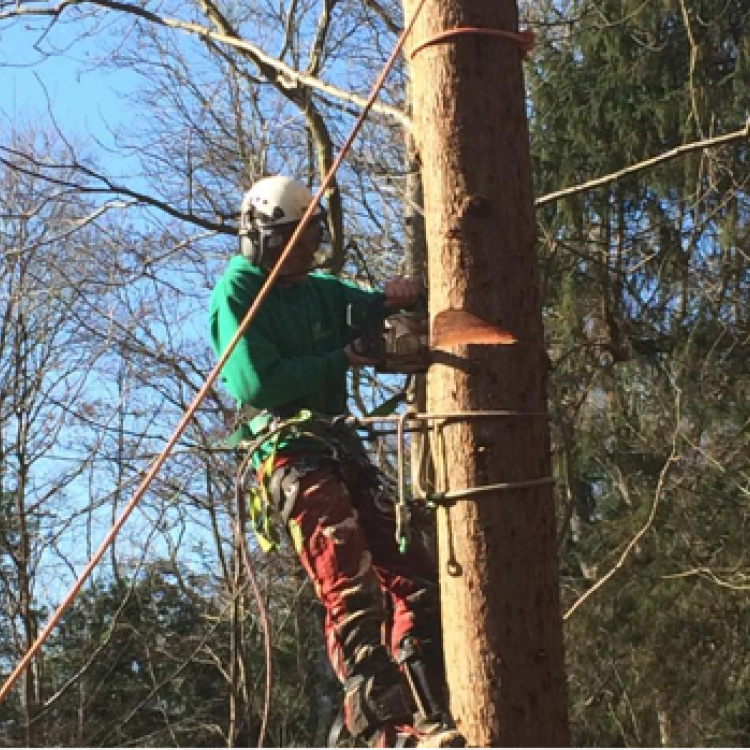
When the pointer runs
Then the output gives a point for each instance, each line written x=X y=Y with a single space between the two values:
x=403 y=294
x=365 y=321
x=357 y=355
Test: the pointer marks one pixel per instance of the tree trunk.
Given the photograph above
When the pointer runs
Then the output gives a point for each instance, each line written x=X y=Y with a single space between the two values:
x=24 y=567
x=25 y=604
x=501 y=606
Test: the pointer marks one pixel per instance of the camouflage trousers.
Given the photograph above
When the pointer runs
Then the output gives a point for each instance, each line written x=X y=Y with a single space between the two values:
x=379 y=603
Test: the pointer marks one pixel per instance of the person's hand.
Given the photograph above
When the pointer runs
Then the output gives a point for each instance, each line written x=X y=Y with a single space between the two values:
x=401 y=292
x=357 y=360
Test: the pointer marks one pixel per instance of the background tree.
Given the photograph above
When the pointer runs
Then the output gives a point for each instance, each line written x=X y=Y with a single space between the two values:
x=44 y=367
x=647 y=325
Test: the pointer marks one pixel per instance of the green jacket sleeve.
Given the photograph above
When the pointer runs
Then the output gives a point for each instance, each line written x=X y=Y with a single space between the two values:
x=354 y=293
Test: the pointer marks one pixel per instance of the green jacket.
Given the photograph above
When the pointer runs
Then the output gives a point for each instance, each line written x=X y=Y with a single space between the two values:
x=292 y=355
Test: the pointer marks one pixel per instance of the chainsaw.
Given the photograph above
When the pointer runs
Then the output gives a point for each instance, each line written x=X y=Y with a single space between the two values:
x=399 y=342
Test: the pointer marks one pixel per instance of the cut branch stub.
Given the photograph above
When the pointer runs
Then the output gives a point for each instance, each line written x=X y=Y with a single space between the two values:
x=454 y=327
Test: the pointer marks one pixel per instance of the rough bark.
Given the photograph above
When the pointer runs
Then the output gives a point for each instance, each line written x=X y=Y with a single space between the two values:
x=501 y=606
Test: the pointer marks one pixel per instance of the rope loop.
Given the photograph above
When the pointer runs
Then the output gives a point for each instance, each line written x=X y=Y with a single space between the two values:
x=523 y=39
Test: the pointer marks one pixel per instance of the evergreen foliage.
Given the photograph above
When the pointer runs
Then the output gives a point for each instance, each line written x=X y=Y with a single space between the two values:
x=648 y=317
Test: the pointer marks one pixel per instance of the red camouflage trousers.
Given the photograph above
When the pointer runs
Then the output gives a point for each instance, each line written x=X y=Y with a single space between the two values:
x=340 y=515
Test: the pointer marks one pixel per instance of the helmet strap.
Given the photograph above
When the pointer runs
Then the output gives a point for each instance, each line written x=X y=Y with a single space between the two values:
x=263 y=246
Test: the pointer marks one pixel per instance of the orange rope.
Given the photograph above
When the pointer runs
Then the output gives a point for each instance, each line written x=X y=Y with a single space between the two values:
x=213 y=375
x=524 y=39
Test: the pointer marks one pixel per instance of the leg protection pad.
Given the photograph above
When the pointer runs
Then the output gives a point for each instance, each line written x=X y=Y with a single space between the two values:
x=426 y=681
x=374 y=695
x=284 y=482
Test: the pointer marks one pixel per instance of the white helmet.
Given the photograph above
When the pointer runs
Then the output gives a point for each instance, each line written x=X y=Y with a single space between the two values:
x=269 y=213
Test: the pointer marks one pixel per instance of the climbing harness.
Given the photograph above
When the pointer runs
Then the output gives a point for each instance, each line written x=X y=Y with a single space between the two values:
x=266 y=504
x=259 y=506
x=270 y=496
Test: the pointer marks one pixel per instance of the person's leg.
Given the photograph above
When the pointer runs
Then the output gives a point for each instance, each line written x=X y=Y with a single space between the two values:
x=411 y=580
x=334 y=551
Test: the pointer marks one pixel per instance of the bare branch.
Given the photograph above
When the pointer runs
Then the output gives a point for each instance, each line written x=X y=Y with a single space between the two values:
x=324 y=23
x=38 y=170
x=687 y=148
x=712 y=576
x=384 y=16
x=284 y=74
x=659 y=493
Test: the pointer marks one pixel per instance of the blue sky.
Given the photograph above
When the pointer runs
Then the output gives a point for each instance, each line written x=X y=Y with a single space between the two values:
x=85 y=101
x=82 y=98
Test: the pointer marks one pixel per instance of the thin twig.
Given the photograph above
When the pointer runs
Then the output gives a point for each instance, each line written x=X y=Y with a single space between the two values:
x=704 y=572
x=673 y=456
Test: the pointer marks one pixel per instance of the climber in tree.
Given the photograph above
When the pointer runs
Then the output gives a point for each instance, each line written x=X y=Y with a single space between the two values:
x=337 y=506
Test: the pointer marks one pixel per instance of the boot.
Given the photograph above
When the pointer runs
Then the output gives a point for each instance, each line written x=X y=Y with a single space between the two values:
x=443 y=738
x=403 y=735
x=374 y=697
x=426 y=687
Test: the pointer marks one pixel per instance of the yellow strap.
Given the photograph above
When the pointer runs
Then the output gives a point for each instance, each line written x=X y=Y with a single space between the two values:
x=261 y=509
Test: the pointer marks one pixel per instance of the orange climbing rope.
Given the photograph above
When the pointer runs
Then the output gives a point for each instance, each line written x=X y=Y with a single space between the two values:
x=210 y=380
x=523 y=39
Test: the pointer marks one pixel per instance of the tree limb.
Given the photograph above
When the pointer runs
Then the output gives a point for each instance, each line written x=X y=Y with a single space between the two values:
x=285 y=74
x=686 y=148
x=672 y=459
x=108 y=188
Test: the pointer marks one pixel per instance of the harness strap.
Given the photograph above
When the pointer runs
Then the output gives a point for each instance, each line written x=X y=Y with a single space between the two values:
x=261 y=508
x=265 y=517
x=337 y=728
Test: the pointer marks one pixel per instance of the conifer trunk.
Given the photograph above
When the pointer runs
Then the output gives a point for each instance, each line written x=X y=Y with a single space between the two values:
x=501 y=606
